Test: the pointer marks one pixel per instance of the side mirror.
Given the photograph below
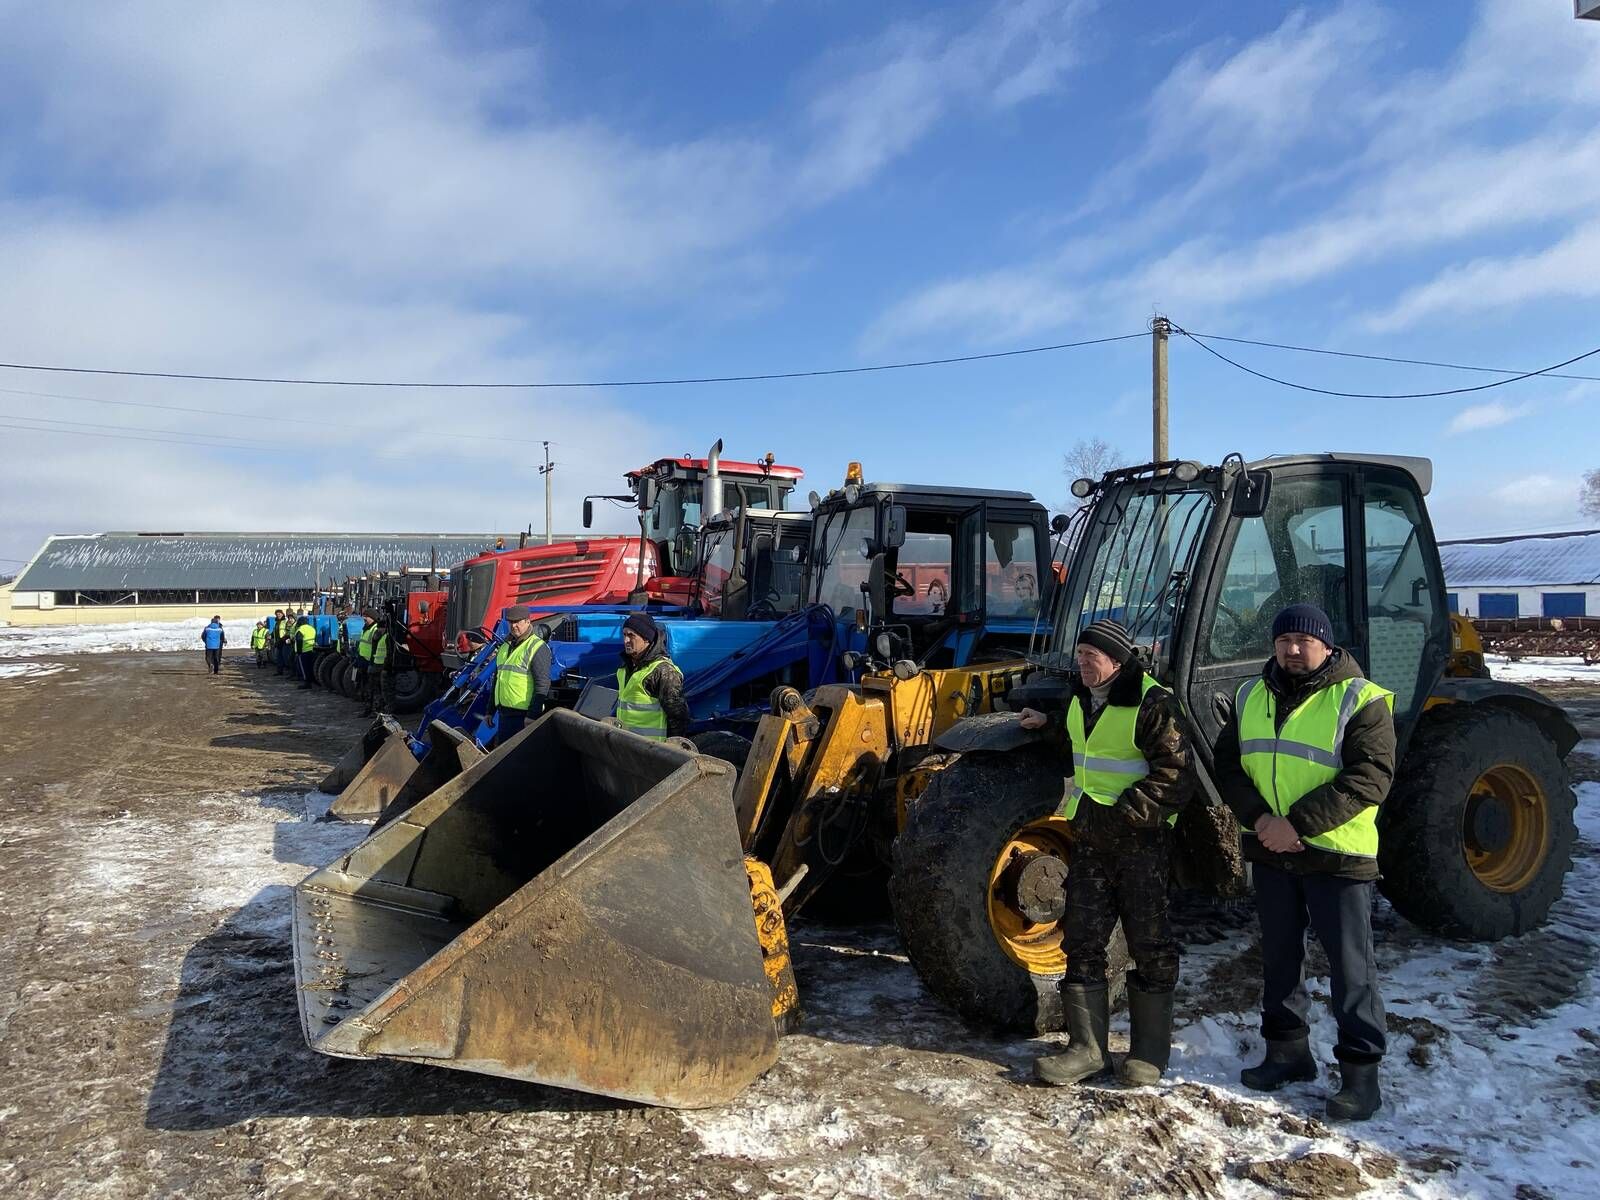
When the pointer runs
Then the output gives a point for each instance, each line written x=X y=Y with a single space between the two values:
x=1059 y=523
x=894 y=527
x=588 y=512
x=649 y=490
x=1251 y=492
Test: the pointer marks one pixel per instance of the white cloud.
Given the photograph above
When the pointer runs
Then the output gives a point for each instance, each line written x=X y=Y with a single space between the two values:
x=1487 y=416
x=1538 y=493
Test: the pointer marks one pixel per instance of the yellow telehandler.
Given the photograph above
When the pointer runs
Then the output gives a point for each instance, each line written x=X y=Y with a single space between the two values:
x=593 y=910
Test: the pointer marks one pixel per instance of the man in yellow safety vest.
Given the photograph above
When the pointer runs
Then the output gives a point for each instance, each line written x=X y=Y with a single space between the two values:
x=1131 y=774
x=305 y=645
x=258 y=642
x=649 y=685
x=1304 y=763
x=521 y=675
x=380 y=674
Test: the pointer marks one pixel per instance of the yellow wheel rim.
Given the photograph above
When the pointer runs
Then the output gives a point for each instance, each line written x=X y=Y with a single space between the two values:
x=1031 y=945
x=1506 y=828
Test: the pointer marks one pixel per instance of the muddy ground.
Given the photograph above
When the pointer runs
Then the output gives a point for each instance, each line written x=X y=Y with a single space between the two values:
x=153 y=820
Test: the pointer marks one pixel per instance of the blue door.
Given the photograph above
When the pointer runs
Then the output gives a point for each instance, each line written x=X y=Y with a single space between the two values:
x=1497 y=604
x=1453 y=601
x=1563 y=604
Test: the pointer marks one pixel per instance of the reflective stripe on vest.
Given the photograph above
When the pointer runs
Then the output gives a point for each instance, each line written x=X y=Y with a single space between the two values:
x=513 y=673
x=369 y=635
x=1105 y=760
x=380 y=650
x=637 y=710
x=1286 y=764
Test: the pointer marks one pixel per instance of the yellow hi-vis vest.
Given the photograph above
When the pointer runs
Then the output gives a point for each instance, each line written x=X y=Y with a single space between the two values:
x=306 y=635
x=513 y=673
x=1105 y=760
x=637 y=710
x=369 y=635
x=1286 y=764
x=258 y=637
x=380 y=650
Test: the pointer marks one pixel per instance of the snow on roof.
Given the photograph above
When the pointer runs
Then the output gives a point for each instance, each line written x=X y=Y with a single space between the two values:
x=130 y=561
x=1529 y=561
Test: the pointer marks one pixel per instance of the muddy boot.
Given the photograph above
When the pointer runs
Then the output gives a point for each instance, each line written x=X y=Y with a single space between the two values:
x=1088 y=1018
x=1357 y=1098
x=1150 y=1036
x=1286 y=1062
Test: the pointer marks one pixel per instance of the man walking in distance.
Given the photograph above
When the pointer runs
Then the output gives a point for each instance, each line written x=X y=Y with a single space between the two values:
x=1304 y=763
x=649 y=685
x=521 y=676
x=214 y=639
x=1131 y=773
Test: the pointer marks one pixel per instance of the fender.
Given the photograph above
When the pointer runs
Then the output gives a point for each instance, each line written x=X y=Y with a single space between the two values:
x=990 y=731
x=1541 y=710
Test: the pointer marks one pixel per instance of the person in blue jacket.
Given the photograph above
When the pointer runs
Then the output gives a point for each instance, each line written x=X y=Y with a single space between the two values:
x=214 y=639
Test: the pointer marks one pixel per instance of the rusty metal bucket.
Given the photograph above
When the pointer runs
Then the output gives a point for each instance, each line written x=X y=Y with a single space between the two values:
x=573 y=910
x=394 y=778
x=357 y=757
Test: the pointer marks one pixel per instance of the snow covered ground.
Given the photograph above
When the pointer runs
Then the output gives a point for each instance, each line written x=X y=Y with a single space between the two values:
x=1526 y=670
x=34 y=641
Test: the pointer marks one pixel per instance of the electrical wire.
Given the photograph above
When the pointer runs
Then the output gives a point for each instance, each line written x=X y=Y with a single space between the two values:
x=217 y=412
x=1389 y=358
x=614 y=383
x=1306 y=387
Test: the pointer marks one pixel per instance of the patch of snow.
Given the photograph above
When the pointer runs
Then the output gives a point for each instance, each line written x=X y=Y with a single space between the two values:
x=32 y=641
x=771 y=1130
x=1526 y=669
x=31 y=670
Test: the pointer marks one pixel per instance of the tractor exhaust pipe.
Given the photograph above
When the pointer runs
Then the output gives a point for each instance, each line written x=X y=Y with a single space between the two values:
x=713 y=499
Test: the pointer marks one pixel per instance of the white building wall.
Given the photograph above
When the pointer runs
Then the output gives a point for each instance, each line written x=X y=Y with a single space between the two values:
x=1530 y=600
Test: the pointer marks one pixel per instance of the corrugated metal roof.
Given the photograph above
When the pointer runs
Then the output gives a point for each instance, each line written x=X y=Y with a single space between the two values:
x=131 y=561
x=1565 y=558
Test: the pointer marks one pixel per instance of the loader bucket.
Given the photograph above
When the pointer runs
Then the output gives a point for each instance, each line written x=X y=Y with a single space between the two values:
x=395 y=778
x=348 y=767
x=389 y=765
x=573 y=910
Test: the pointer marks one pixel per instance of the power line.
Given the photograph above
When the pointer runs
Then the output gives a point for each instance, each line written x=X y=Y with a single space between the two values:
x=614 y=383
x=1306 y=387
x=220 y=439
x=217 y=412
x=1412 y=362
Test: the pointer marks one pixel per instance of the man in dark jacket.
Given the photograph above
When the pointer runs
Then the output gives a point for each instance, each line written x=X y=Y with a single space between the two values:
x=214 y=639
x=1304 y=763
x=649 y=685
x=1131 y=774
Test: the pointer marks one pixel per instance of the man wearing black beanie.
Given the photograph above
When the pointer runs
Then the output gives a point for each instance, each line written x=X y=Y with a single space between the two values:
x=650 y=699
x=1131 y=773
x=1304 y=762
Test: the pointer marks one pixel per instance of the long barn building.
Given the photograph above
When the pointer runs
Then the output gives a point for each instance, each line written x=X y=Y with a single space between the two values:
x=1534 y=575
x=105 y=577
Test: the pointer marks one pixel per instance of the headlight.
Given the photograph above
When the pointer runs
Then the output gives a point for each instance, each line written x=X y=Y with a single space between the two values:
x=884 y=645
x=1083 y=488
x=1187 y=471
x=849 y=660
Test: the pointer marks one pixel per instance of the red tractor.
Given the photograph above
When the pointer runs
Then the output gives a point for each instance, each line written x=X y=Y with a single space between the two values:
x=673 y=497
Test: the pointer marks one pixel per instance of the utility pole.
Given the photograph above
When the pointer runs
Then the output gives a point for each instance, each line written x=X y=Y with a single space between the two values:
x=545 y=471
x=1160 y=330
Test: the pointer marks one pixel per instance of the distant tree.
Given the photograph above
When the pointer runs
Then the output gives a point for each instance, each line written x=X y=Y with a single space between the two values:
x=1090 y=459
x=1589 y=494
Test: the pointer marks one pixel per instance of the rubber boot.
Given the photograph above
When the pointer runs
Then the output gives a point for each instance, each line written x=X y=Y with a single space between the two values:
x=1357 y=1098
x=1286 y=1062
x=1088 y=1022
x=1150 y=1036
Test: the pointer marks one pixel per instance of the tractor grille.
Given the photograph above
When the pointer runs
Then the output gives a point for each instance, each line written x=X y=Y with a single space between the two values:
x=536 y=580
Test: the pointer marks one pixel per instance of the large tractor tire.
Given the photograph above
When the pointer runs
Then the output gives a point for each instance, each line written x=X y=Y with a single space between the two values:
x=412 y=690
x=338 y=676
x=731 y=748
x=1477 y=833
x=980 y=839
x=324 y=672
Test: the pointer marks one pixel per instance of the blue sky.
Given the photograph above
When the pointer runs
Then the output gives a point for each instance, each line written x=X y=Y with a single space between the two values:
x=609 y=190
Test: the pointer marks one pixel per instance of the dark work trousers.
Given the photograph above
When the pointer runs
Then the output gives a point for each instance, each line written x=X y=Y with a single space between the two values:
x=509 y=723
x=282 y=657
x=1119 y=874
x=308 y=667
x=214 y=661
x=1340 y=911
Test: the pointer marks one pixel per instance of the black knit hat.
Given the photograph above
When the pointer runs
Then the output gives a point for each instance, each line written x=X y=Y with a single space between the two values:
x=643 y=624
x=1110 y=639
x=1303 y=618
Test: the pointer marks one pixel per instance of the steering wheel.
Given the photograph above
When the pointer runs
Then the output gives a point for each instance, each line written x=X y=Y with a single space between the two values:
x=1240 y=636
